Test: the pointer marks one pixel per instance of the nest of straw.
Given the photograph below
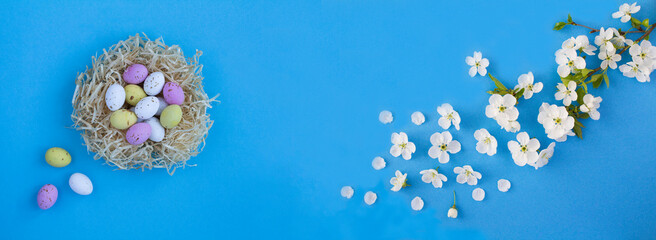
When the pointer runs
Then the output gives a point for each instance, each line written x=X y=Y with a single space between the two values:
x=91 y=115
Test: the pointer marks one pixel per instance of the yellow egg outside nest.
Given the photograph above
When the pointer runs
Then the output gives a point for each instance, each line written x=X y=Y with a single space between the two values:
x=58 y=157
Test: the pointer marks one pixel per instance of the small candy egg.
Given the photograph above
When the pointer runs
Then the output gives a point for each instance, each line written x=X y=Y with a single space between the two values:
x=134 y=94
x=138 y=118
x=147 y=107
x=156 y=130
x=58 y=157
x=173 y=93
x=80 y=184
x=47 y=196
x=171 y=116
x=154 y=83
x=115 y=97
x=135 y=74
x=138 y=133
x=162 y=105
x=122 y=119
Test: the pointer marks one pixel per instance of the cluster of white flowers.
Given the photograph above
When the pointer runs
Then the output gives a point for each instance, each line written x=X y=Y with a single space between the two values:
x=590 y=106
x=557 y=122
x=643 y=61
x=503 y=110
x=525 y=150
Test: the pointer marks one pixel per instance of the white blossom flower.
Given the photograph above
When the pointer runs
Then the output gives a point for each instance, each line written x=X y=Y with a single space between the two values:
x=502 y=106
x=385 y=117
x=609 y=59
x=478 y=64
x=347 y=192
x=645 y=51
x=590 y=106
x=417 y=204
x=563 y=138
x=370 y=197
x=508 y=125
x=443 y=144
x=556 y=121
x=478 y=194
x=636 y=69
x=399 y=181
x=402 y=146
x=624 y=14
x=603 y=40
x=566 y=93
x=526 y=82
x=417 y=118
x=378 y=163
x=568 y=62
x=583 y=44
x=467 y=174
x=453 y=211
x=544 y=156
x=448 y=116
x=524 y=151
x=503 y=185
x=487 y=144
x=433 y=176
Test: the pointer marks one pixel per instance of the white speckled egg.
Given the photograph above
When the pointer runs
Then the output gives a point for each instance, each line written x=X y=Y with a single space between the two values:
x=138 y=118
x=147 y=107
x=80 y=183
x=162 y=105
x=115 y=97
x=156 y=130
x=154 y=83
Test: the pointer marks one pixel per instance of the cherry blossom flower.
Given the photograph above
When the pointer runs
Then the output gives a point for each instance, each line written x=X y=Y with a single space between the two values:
x=556 y=121
x=453 y=211
x=603 y=40
x=544 y=156
x=609 y=59
x=399 y=181
x=448 y=116
x=347 y=192
x=645 y=51
x=417 y=203
x=443 y=144
x=583 y=44
x=568 y=62
x=478 y=64
x=467 y=174
x=417 y=118
x=590 y=106
x=508 y=125
x=487 y=144
x=624 y=14
x=524 y=151
x=502 y=106
x=402 y=146
x=566 y=93
x=385 y=117
x=526 y=82
x=636 y=69
x=433 y=176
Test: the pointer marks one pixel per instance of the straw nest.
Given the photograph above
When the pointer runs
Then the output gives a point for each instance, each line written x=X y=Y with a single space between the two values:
x=91 y=115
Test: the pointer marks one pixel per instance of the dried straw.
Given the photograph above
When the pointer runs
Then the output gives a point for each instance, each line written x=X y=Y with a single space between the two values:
x=91 y=115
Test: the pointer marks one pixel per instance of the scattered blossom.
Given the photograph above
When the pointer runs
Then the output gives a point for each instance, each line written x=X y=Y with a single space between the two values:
x=502 y=109
x=417 y=118
x=378 y=163
x=347 y=192
x=467 y=174
x=443 y=144
x=590 y=106
x=399 y=181
x=556 y=121
x=478 y=64
x=417 y=203
x=624 y=14
x=609 y=59
x=544 y=156
x=453 y=211
x=385 y=117
x=402 y=146
x=503 y=185
x=568 y=62
x=370 y=197
x=566 y=93
x=448 y=116
x=487 y=144
x=524 y=150
x=433 y=176
x=478 y=194
x=526 y=82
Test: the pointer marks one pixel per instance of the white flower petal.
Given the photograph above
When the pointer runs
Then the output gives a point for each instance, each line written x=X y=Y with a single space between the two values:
x=418 y=118
x=370 y=197
x=478 y=194
x=347 y=192
x=385 y=117
x=417 y=204
x=378 y=163
x=503 y=185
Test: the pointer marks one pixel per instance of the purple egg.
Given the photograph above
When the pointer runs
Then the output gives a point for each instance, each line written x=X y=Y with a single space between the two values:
x=173 y=93
x=138 y=133
x=47 y=196
x=135 y=74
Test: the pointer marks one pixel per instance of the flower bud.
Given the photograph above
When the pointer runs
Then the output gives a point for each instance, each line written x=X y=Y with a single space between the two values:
x=453 y=212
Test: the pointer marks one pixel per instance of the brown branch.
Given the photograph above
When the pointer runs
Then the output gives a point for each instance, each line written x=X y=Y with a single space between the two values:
x=592 y=30
x=647 y=32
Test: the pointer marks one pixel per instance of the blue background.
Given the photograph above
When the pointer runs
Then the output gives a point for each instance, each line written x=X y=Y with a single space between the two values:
x=301 y=84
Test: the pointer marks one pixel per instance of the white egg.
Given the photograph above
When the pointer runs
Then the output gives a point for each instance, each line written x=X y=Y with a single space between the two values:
x=80 y=183
x=115 y=97
x=162 y=105
x=138 y=118
x=156 y=130
x=146 y=107
x=154 y=83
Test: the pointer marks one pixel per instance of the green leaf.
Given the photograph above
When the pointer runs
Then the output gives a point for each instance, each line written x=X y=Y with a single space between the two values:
x=606 y=79
x=578 y=132
x=577 y=123
x=520 y=93
x=559 y=25
x=645 y=22
x=583 y=116
x=569 y=18
x=580 y=92
x=647 y=37
x=497 y=83
x=596 y=79
x=635 y=23
x=585 y=71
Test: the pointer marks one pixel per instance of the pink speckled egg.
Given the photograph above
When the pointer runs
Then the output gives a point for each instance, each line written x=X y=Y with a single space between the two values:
x=135 y=74
x=47 y=196
x=138 y=133
x=173 y=93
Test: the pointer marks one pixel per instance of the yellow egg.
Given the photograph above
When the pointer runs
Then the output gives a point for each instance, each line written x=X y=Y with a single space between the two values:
x=58 y=157
x=134 y=94
x=123 y=119
x=171 y=116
